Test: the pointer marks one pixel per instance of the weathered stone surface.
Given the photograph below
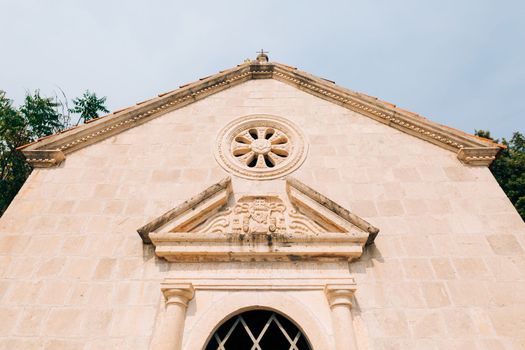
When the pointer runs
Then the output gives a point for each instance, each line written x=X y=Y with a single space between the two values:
x=446 y=271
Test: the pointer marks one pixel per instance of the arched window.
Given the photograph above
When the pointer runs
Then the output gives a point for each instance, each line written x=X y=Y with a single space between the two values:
x=258 y=330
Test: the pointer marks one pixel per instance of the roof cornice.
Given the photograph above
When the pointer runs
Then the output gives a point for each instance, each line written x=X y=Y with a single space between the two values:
x=52 y=150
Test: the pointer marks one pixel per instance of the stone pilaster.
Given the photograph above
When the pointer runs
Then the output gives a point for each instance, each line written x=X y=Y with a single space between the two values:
x=340 y=301
x=176 y=296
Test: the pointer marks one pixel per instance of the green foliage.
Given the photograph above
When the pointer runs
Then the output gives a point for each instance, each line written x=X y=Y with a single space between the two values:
x=37 y=117
x=41 y=115
x=13 y=168
x=509 y=168
x=88 y=106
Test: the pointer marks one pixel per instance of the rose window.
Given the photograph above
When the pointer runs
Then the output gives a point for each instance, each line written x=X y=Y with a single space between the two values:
x=260 y=147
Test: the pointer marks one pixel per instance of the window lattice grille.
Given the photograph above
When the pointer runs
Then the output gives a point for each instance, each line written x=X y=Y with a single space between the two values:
x=258 y=330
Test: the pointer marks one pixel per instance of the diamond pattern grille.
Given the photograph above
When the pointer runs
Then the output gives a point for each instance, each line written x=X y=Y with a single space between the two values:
x=258 y=330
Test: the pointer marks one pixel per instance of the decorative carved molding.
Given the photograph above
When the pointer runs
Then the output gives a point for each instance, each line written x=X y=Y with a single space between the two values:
x=102 y=128
x=478 y=156
x=260 y=147
x=177 y=293
x=261 y=284
x=258 y=228
x=338 y=294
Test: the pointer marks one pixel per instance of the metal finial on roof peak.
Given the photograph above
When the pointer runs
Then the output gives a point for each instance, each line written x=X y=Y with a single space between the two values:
x=262 y=56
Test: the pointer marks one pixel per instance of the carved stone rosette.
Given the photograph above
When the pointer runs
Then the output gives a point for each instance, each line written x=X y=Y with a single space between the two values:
x=260 y=147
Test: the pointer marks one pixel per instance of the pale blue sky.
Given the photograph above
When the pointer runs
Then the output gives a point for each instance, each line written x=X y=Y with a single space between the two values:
x=461 y=63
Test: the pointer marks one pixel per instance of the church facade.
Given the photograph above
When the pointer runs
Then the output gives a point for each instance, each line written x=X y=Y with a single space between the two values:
x=262 y=208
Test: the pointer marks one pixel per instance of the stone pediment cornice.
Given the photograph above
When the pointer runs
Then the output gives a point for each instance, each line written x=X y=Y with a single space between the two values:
x=212 y=226
x=52 y=150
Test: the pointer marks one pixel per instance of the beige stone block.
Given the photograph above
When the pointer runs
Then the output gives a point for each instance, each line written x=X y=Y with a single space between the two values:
x=31 y=321
x=165 y=175
x=492 y=344
x=63 y=322
x=508 y=321
x=13 y=244
x=194 y=175
x=104 y=244
x=388 y=269
x=93 y=176
x=21 y=343
x=114 y=207
x=108 y=343
x=71 y=224
x=504 y=244
x=391 y=323
x=74 y=245
x=21 y=266
x=135 y=208
x=363 y=208
x=426 y=324
x=8 y=319
x=99 y=224
x=386 y=246
x=23 y=292
x=406 y=174
x=79 y=293
x=459 y=174
x=482 y=322
x=47 y=245
x=105 y=268
x=443 y=268
x=472 y=245
x=78 y=268
x=415 y=206
x=61 y=207
x=97 y=322
x=64 y=344
x=435 y=294
x=132 y=321
x=103 y=191
x=418 y=245
x=403 y=295
x=327 y=175
x=54 y=293
x=391 y=191
x=518 y=344
x=89 y=206
x=459 y=323
x=390 y=208
x=101 y=294
x=468 y=293
x=4 y=288
x=129 y=268
x=438 y=206
x=507 y=293
x=471 y=268
x=419 y=269
x=431 y=173
x=506 y=268
x=50 y=268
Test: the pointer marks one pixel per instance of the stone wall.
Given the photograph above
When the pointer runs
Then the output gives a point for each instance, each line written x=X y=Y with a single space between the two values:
x=447 y=270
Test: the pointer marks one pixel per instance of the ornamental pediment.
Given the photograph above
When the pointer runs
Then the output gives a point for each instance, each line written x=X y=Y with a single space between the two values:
x=217 y=226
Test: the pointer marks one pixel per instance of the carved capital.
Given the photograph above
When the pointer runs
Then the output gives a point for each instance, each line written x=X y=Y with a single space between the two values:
x=179 y=293
x=339 y=294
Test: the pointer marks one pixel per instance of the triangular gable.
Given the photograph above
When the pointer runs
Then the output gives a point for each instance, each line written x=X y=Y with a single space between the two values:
x=213 y=227
x=52 y=150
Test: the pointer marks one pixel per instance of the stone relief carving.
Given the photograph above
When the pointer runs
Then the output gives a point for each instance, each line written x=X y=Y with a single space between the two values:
x=256 y=216
x=303 y=224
